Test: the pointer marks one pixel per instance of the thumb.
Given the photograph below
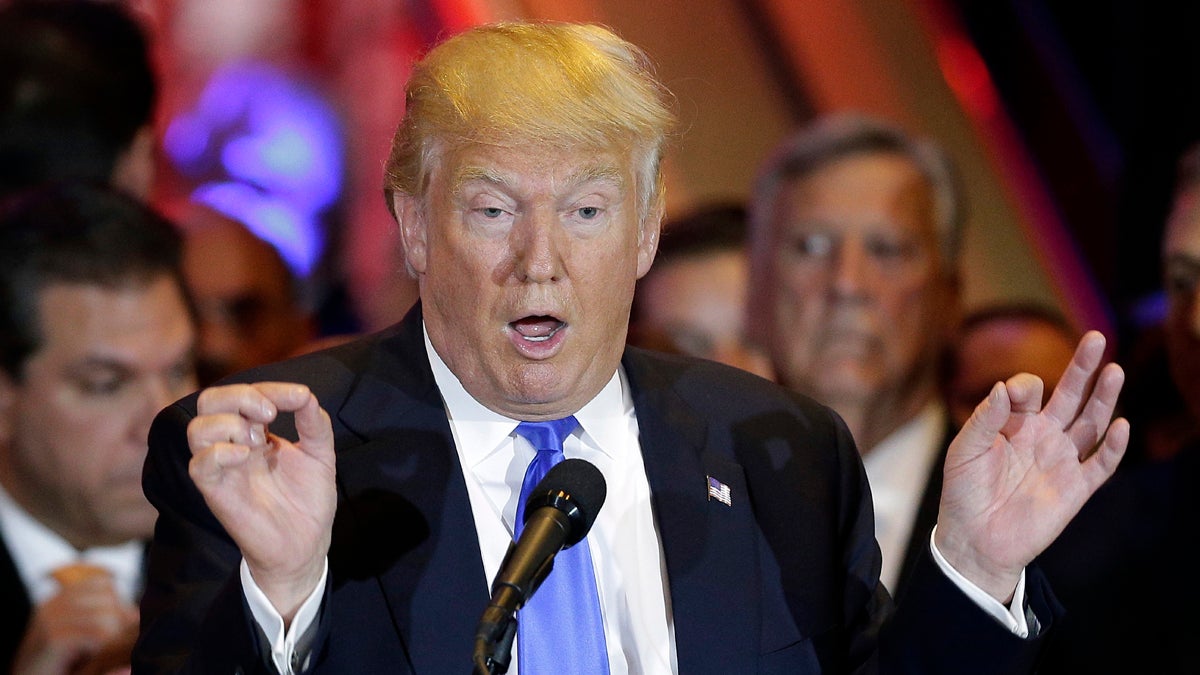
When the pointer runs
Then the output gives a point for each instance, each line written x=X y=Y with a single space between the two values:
x=314 y=429
x=990 y=416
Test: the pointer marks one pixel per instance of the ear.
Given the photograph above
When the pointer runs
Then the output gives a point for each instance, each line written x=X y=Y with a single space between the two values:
x=134 y=169
x=648 y=236
x=413 y=231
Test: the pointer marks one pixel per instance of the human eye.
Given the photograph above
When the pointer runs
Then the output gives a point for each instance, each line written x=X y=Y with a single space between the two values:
x=101 y=383
x=813 y=245
x=1182 y=277
x=488 y=214
x=588 y=212
x=889 y=249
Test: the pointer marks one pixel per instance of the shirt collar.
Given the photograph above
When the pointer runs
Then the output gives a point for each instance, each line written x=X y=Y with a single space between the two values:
x=37 y=551
x=482 y=432
x=904 y=458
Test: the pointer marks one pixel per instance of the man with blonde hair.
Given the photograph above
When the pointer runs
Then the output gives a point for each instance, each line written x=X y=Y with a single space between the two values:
x=346 y=511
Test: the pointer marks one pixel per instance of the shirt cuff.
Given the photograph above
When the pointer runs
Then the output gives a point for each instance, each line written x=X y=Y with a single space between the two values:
x=1012 y=616
x=283 y=643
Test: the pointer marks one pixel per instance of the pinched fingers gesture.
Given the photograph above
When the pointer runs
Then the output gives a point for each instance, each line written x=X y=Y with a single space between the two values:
x=275 y=497
x=1018 y=472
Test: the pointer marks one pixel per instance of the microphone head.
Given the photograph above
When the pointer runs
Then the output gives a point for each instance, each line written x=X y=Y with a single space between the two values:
x=575 y=487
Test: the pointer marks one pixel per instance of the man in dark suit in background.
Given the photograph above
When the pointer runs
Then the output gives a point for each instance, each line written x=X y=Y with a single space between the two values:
x=359 y=531
x=77 y=96
x=1130 y=603
x=95 y=338
x=855 y=235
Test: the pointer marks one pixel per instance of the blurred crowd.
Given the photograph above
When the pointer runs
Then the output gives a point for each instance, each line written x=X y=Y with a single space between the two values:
x=839 y=276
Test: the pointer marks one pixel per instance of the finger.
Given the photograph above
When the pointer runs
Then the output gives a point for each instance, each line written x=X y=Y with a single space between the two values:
x=206 y=430
x=1068 y=397
x=313 y=427
x=1101 y=465
x=1025 y=393
x=209 y=465
x=989 y=417
x=1085 y=432
x=258 y=402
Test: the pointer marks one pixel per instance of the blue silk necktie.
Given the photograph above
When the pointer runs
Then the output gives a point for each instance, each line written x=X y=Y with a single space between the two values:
x=559 y=629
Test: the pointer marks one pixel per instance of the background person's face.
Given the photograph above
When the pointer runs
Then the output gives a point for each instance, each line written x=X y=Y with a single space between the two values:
x=527 y=263
x=73 y=430
x=245 y=309
x=861 y=299
x=1181 y=265
x=698 y=304
x=995 y=351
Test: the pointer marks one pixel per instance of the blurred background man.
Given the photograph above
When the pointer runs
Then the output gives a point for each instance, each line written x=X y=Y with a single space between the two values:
x=854 y=294
x=1116 y=568
x=995 y=341
x=248 y=302
x=693 y=300
x=95 y=338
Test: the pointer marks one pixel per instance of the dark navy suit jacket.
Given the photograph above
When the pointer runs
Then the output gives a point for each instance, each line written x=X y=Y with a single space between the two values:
x=15 y=608
x=784 y=580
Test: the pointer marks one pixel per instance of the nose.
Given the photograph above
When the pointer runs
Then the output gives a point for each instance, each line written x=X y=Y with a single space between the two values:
x=537 y=246
x=849 y=268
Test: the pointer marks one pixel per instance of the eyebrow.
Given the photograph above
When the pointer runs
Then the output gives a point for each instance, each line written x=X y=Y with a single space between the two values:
x=469 y=174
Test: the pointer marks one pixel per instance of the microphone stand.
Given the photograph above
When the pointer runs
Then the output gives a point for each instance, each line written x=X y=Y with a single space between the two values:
x=493 y=641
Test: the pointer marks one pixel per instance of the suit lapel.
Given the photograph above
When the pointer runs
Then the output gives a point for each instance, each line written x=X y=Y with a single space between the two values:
x=14 y=607
x=712 y=562
x=405 y=522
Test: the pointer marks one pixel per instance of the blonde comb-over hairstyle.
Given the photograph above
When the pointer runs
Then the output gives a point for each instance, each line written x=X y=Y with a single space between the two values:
x=561 y=85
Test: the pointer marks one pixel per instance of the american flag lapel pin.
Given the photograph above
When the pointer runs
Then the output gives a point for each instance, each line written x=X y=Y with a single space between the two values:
x=719 y=491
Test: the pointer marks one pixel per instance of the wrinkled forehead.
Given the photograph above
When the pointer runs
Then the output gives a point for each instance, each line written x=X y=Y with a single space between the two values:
x=880 y=193
x=530 y=166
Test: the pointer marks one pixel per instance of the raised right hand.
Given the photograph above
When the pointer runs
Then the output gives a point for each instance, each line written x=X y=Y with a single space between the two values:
x=274 y=497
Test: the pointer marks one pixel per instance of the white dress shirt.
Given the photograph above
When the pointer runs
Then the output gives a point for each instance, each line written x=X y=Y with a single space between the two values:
x=626 y=550
x=898 y=468
x=37 y=551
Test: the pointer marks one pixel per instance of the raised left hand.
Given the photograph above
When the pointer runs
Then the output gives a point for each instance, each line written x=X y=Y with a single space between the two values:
x=1018 y=472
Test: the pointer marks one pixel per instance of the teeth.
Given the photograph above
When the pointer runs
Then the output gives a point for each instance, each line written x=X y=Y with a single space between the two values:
x=542 y=338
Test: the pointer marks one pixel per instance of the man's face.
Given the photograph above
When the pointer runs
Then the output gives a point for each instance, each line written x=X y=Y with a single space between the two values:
x=242 y=294
x=861 y=299
x=698 y=304
x=1181 y=265
x=527 y=259
x=73 y=430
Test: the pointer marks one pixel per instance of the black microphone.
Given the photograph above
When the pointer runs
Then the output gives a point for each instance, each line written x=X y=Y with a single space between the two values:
x=558 y=514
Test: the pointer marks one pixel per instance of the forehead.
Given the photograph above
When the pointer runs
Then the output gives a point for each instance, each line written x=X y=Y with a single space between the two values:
x=877 y=190
x=79 y=319
x=532 y=168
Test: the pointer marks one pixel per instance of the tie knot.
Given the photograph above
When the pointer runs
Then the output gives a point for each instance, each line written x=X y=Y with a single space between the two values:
x=547 y=436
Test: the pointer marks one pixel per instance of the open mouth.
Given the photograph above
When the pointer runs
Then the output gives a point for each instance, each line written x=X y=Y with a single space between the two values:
x=537 y=328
